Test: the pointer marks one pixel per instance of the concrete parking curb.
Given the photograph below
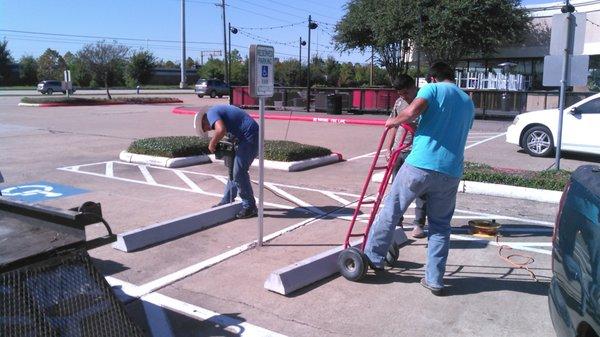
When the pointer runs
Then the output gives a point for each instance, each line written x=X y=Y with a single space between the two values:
x=315 y=268
x=163 y=161
x=175 y=228
x=498 y=190
x=295 y=165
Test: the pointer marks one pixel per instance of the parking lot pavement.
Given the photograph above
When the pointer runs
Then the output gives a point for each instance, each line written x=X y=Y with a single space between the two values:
x=212 y=280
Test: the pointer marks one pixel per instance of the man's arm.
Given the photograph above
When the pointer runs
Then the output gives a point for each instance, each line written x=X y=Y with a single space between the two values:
x=392 y=139
x=410 y=113
x=220 y=132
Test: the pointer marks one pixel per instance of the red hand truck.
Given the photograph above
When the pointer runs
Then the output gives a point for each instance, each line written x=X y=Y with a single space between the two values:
x=352 y=262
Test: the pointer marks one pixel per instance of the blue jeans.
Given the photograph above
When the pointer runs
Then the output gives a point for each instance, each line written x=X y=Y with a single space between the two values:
x=440 y=191
x=244 y=156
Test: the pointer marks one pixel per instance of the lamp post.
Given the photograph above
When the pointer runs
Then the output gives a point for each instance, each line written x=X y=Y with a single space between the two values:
x=506 y=67
x=234 y=31
x=311 y=25
x=301 y=43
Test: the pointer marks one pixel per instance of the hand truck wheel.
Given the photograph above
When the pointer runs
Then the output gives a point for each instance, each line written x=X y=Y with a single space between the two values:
x=392 y=255
x=352 y=264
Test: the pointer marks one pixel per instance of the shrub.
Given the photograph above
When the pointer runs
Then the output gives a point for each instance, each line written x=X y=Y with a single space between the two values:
x=182 y=146
x=99 y=101
x=172 y=147
x=549 y=180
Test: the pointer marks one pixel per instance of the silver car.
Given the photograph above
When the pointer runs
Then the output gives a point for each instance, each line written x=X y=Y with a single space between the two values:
x=51 y=86
x=213 y=88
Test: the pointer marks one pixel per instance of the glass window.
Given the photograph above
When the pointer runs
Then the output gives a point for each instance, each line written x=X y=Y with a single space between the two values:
x=591 y=107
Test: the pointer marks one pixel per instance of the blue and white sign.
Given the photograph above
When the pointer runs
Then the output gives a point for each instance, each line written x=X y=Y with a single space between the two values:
x=265 y=71
x=40 y=191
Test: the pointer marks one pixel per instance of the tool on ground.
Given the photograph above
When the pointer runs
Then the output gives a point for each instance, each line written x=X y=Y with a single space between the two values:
x=225 y=150
x=484 y=228
x=351 y=262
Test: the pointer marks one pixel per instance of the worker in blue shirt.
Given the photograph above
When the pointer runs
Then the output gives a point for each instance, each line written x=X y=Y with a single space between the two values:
x=226 y=119
x=433 y=169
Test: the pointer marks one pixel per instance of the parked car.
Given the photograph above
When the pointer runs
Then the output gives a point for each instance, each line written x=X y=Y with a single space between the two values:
x=213 y=88
x=51 y=86
x=574 y=296
x=536 y=131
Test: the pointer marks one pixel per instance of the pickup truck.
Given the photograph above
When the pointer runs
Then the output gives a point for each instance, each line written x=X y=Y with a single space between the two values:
x=574 y=296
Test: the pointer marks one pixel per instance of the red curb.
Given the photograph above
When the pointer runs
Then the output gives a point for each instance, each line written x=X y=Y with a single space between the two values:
x=375 y=122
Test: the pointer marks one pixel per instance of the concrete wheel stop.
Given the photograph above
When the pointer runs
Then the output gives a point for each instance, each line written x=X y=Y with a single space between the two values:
x=165 y=231
x=315 y=268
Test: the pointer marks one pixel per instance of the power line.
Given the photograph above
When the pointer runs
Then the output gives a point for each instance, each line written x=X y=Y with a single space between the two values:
x=255 y=13
x=272 y=27
x=103 y=37
x=270 y=9
x=299 y=9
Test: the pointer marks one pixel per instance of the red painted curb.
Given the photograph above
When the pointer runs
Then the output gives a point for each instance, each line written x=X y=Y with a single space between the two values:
x=375 y=122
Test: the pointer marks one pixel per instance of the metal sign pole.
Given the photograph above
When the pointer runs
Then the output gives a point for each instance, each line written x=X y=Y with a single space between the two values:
x=563 y=86
x=261 y=168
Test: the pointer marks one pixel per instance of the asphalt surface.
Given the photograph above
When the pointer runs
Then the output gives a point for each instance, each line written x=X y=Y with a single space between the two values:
x=79 y=146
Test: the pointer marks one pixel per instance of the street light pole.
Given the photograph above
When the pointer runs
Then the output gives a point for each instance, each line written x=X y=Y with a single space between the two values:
x=225 y=41
x=182 y=67
x=301 y=43
x=311 y=25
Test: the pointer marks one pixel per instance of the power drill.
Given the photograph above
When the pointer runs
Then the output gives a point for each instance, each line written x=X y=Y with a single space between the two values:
x=226 y=150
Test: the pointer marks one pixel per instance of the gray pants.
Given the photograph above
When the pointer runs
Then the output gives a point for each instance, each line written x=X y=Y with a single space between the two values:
x=420 y=207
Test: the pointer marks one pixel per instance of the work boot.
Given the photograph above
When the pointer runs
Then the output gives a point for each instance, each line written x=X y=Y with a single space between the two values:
x=246 y=213
x=437 y=291
x=418 y=232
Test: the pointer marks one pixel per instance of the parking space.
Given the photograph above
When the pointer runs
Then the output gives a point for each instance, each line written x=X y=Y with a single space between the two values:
x=212 y=280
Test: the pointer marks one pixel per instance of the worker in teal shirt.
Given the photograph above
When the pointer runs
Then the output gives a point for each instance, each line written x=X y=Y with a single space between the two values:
x=433 y=169
x=231 y=119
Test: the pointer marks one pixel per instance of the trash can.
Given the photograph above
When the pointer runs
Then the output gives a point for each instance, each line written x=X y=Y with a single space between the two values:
x=334 y=104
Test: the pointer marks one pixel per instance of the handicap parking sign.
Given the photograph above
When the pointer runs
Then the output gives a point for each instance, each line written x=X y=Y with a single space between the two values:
x=265 y=71
x=40 y=191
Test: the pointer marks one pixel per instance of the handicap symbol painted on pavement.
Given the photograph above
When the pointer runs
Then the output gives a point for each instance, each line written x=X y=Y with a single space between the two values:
x=40 y=191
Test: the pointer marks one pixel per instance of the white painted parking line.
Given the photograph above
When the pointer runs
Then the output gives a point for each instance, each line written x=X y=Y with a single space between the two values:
x=365 y=155
x=188 y=181
x=149 y=179
x=485 y=140
x=154 y=303
x=109 y=171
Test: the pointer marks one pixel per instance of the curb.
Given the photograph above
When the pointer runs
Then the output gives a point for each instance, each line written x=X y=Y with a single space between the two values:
x=498 y=190
x=373 y=122
x=294 y=165
x=48 y=105
x=163 y=161
x=315 y=268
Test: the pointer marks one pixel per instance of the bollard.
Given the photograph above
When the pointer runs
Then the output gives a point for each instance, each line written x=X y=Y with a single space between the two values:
x=137 y=90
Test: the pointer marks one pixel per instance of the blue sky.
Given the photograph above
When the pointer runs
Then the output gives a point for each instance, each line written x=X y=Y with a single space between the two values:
x=143 y=22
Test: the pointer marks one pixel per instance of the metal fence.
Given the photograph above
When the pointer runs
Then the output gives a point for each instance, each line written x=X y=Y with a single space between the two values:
x=488 y=103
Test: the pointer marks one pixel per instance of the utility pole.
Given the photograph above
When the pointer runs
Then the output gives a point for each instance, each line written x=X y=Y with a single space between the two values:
x=311 y=26
x=371 y=72
x=568 y=51
x=300 y=44
x=226 y=55
x=234 y=31
x=182 y=83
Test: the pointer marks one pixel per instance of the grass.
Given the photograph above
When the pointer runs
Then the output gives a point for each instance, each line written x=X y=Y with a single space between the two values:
x=548 y=180
x=99 y=101
x=183 y=146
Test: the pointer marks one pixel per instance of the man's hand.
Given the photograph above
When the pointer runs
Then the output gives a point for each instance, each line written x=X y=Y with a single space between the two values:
x=391 y=123
x=212 y=147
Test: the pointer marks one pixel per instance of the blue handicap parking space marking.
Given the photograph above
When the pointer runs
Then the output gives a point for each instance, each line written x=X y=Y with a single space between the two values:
x=40 y=191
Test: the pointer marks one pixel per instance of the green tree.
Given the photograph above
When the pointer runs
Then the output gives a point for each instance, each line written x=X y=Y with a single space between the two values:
x=332 y=71
x=382 y=26
x=213 y=68
x=239 y=69
x=5 y=61
x=51 y=65
x=140 y=67
x=105 y=62
x=80 y=74
x=190 y=63
x=289 y=73
x=453 y=30
x=28 y=70
x=347 y=75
